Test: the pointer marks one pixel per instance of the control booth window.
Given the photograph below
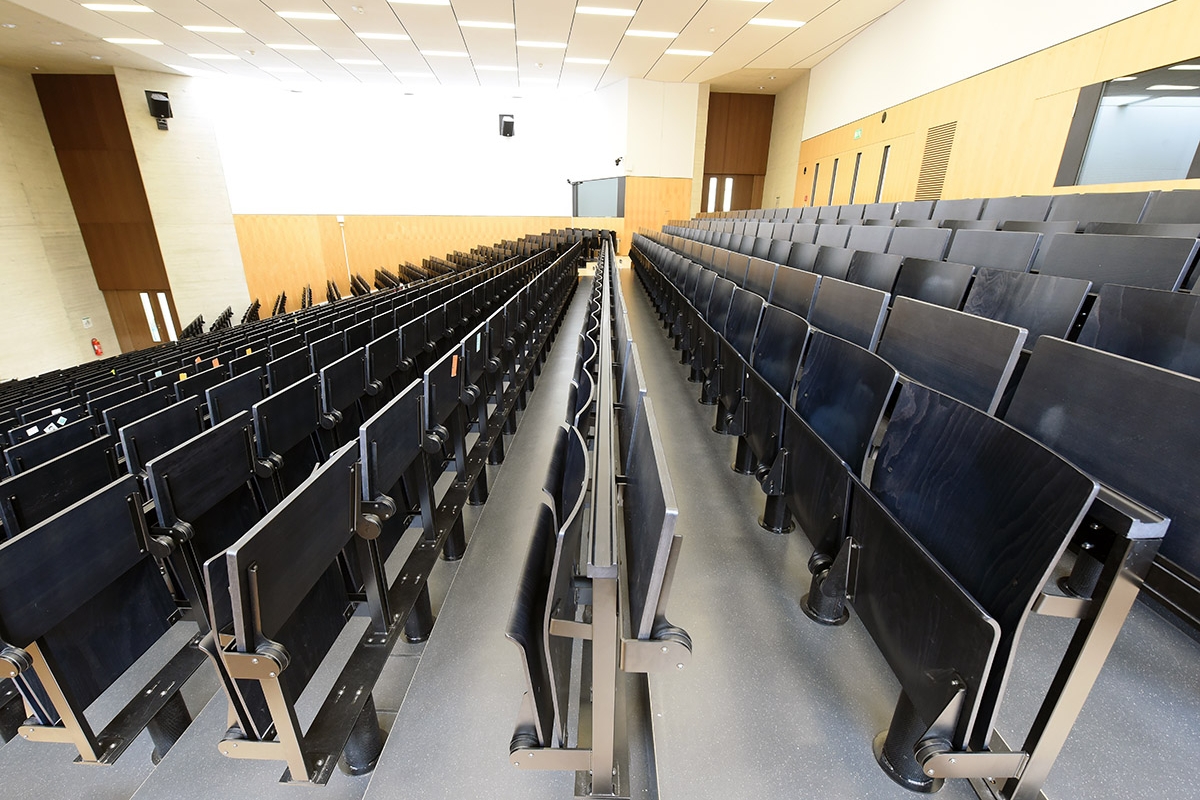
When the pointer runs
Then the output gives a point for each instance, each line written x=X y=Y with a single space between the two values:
x=1140 y=127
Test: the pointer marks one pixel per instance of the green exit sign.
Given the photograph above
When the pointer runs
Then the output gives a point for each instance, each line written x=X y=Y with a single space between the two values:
x=858 y=133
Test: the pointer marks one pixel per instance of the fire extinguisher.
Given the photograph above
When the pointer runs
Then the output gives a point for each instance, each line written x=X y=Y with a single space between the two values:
x=96 y=347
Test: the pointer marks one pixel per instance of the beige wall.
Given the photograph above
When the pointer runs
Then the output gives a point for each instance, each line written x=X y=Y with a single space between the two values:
x=47 y=280
x=189 y=201
x=787 y=129
x=701 y=139
x=1012 y=120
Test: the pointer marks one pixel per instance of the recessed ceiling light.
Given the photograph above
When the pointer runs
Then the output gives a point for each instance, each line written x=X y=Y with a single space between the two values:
x=413 y=74
x=677 y=52
x=603 y=11
x=118 y=7
x=7 y=25
x=358 y=62
x=444 y=53
x=57 y=44
x=1118 y=80
x=652 y=34
x=495 y=68
x=313 y=15
x=500 y=26
x=575 y=60
x=389 y=37
x=215 y=56
x=212 y=29
x=542 y=45
x=777 y=23
x=123 y=40
x=293 y=47
x=1185 y=66
x=98 y=58
x=1170 y=87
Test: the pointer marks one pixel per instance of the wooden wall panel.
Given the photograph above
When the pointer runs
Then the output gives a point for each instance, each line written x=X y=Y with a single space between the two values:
x=286 y=252
x=749 y=133
x=1012 y=120
x=715 y=135
x=87 y=125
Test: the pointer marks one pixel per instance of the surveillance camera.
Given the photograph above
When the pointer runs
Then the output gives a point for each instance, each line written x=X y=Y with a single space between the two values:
x=618 y=161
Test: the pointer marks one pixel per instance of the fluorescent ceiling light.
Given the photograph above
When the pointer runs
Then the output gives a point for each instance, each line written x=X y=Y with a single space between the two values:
x=309 y=47
x=390 y=37
x=495 y=68
x=1170 y=87
x=677 y=52
x=777 y=23
x=1117 y=80
x=359 y=62
x=542 y=45
x=212 y=29
x=602 y=11
x=119 y=7
x=500 y=26
x=120 y=40
x=444 y=53
x=315 y=15
x=652 y=34
x=575 y=60
x=1185 y=66
x=215 y=56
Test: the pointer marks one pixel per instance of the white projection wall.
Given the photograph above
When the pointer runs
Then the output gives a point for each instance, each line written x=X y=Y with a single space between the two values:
x=378 y=150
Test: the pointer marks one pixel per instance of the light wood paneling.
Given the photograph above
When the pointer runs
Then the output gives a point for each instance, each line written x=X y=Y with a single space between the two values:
x=650 y=202
x=286 y=252
x=1012 y=120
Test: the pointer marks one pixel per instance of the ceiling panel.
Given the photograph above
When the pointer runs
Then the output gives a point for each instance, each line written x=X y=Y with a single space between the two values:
x=742 y=53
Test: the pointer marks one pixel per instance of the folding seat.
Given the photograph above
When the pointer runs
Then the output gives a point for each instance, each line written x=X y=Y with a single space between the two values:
x=929 y=243
x=42 y=491
x=833 y=262
x=1033 y=207
x=1181 y=206
x=1044 y=305
x=871 y=238
x=1151 y=262
x=1013 y=250
x=794 y=290
x=958 y=209
x=286 y=370
x=152 y=435
x=40 y=449
x=850 y=311
x=1147 y=325
x=942 y=283
x=235 y=395
x=1099 y=207
x=286 y=426
x=832 y=235
x=876 y=270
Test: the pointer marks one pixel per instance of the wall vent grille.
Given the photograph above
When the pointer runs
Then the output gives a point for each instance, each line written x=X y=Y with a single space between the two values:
x=938 y=142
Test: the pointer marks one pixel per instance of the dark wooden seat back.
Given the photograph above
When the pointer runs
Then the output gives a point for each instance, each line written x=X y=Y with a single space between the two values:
x=1045 y=305
x=650 y=514
x=1129 y=424
x=159 y=432
x=929 y=243
x=869 y=238
x=853 y=312
x=1013 y=250
x=285 y=432
x=795 y=290
x=1156 y=327
x=833 y=262
x=942 y=283
x=284 y=371
x=526 y=630
x=1033 y=207
x=235 y=395
x=1099 y=207
x=967 y=357
x=803 y=256
x=874 y=269
x=40 y=492
x=760 y=275
x=1152 y=262
x=994 y=507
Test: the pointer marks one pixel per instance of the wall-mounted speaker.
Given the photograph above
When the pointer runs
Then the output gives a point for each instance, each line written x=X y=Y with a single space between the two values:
x=506 y=124
x=160 y=107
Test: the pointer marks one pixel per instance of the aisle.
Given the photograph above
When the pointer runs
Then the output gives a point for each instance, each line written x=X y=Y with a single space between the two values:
x=450 y=738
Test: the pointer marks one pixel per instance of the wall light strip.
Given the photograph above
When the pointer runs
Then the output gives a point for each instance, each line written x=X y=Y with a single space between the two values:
x=603 y=11
x=500 y=26
x=118 y=7
x=542 y=45
x=677 y=52
x=777 y=23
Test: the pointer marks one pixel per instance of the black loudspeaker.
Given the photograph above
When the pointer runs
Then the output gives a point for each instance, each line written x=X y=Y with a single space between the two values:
x=160 y=107
x=506 y=125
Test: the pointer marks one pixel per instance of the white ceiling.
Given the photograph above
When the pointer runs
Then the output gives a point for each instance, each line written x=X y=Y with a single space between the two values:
x=64 y=36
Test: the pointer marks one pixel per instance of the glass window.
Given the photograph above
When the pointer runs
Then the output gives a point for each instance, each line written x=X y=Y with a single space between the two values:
x=1146 y=127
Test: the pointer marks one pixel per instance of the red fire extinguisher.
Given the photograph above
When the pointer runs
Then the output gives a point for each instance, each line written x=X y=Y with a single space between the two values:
x=96 y=347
